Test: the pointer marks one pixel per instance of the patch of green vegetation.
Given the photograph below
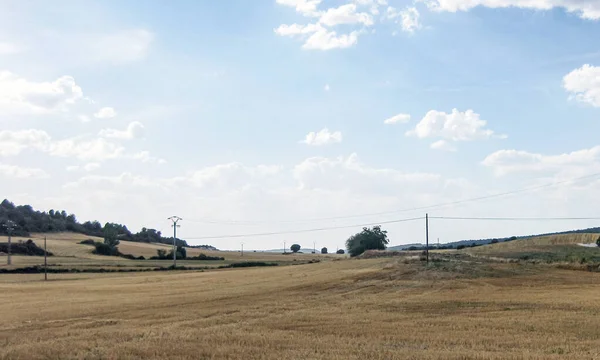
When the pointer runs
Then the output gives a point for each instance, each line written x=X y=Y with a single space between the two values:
x=248 y=264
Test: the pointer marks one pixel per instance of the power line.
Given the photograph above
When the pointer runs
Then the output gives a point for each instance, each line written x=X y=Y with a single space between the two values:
x=485 y=197
x=302 y=230
x=513 y=218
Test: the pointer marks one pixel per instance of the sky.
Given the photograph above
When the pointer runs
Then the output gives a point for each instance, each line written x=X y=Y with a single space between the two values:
x=280 y=116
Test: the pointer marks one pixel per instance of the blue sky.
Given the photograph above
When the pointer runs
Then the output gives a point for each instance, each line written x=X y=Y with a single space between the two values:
x=253 y=116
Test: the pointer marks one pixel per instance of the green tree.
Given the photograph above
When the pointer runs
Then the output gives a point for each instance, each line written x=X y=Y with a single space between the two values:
x=111 y=236
x=295 y=248
x=340 y=252
x=324 y=250
x=598 y=242
x=367 y=239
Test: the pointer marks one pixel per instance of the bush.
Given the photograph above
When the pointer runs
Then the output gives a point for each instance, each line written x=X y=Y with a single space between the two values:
x=295 y=248
x=460 y=247
x=598 y=242
x=87 y=242
x=494 y=241
x=28 y=248
x=340 y=252
x=206 y=257
x=105 y=249
x=249 y=264
x=324 y=250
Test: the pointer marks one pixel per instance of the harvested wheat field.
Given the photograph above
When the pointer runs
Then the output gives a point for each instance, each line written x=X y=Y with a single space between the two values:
x=346 y=309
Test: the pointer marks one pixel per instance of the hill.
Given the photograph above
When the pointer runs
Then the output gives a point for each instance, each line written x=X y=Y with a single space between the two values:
x=584 y=236
x=26 y=221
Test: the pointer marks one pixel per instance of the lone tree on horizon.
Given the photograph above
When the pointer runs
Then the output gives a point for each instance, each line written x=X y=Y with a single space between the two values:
x=367 y=239
x=295 y=248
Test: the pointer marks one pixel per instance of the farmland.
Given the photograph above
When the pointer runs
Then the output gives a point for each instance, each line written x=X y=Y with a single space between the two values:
x=69 y=253
x=464 y=307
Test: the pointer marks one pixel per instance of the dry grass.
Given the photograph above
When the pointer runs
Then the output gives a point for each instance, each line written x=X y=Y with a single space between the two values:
x=563 y=239
x=69 y=253
x=350 y=309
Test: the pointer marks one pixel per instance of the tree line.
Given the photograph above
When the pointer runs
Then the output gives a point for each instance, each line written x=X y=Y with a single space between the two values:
x=29 y=221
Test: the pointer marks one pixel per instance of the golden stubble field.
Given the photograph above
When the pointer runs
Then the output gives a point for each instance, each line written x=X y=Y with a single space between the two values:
x=69 y=253
x=346 y=309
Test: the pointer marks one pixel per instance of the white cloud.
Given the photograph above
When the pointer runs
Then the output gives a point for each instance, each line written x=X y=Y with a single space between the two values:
x=516 y=161
x=322 y=35
x=456 y=126
x=323 y=39
x=96 y=149
x=584 y=84
x=135 y=130
x=304 y=7
x=443 y=145
x=322 y=137
x=586 y=9
x=296 y=29
x=345 y=14
x=84 y=118
x=18 y=172
x=91 y=166
x=105 y=113
x=120 y=47
x=14 y=142
x=397 y=119
x=73 y=168
x=349 y=173
x=93 y=150
x=327 y=88
x=21 y=96
x=408 y=18
x=7 y=48
x=144 y=156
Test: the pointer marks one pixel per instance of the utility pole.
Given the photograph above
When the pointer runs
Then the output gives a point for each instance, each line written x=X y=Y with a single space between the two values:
x=314 y=247
x=10 y=226
x=427 y=238
x=438 y=243
x=284 y=249
x=242 y=249
x=45 y=261
x=175 y=219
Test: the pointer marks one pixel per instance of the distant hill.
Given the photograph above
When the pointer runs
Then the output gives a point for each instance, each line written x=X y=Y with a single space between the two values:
x=27 y=221
x=471 y=243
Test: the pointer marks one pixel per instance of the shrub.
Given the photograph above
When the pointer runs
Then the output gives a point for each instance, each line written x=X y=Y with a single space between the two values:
x=295 y=248
x=494 y=241
x=105 y=249
x=460 y=247
x=205 y=257
x=340 y=252
x=87 y=242
x=324 y=250
x=28 y=248
x=249 y=264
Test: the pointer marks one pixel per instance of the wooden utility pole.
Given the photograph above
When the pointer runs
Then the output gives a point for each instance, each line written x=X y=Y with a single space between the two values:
x=427 y=238
x=45 y=261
